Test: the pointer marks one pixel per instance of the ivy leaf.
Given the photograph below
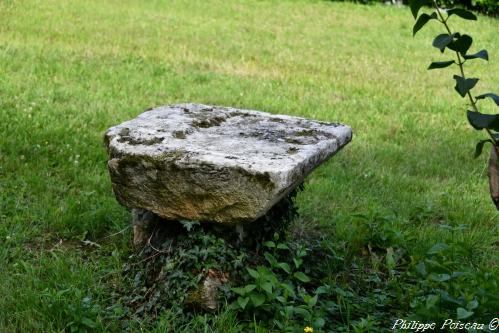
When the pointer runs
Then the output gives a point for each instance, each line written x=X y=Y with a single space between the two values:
x=322 y=290
x=462 y=13
x=234 y=306
x=297 y=262
x=282 y=246
x=390 y=260
x=461 y=44
x=267 y=287
x=448 y=298
x=270 y=258
x=459 y=274
x=239 y=291
x=464 y=85
x=249 y=288
x=441 y=64
x=88 y=322
x=442 y=40
x=440 y=277
x=269 y=244
x=479 y=147
x=480 y=121
x=421 y=268
x=301 y=312
x=312 y=301
x=416 y=6
x=242 y=301
x=472 y=304
x=431 y=301
x=257 y=299
x=253 y=273
x=285 y=267
x=288 y=289
x=437 y=248
x=480 y=54
x=302 y=277
x=494 y=97
x=422 y=20
x=463 y=313
x=319 y=323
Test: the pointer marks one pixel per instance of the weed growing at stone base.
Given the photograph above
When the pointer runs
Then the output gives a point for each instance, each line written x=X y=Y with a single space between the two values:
x=302 y=280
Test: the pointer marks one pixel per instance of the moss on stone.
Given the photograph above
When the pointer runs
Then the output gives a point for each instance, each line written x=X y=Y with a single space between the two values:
x=276 y=120
x=307 y=132
x=179 y=134
x=124 y=136
x=294 y=141
x=263 y=179
x=206 y=122
x=173 y=155
x=140 y=141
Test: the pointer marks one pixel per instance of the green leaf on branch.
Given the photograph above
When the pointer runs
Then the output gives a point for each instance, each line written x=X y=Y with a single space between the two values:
x=462 y=13
x=442 y=40
x=461 y=44
x=464 y=85
x=494 y=97
x=480 y=54
x=480 y=121
x=416 y=6
x=479 y=147
x=422 y=20
x=441 y=64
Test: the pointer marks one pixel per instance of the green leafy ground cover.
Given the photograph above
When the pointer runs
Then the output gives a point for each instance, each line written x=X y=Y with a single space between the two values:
x=407 y=227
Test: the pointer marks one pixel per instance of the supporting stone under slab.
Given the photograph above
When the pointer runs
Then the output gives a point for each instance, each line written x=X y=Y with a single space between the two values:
x=275 y=220
x=151 y=231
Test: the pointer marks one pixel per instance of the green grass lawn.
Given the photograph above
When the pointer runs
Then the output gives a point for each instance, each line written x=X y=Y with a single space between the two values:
x=71 y=69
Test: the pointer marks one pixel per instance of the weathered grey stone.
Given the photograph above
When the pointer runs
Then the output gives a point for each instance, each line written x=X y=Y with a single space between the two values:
x=219 y=164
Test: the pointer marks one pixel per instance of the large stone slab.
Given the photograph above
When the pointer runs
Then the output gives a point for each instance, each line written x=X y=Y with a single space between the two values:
x=210 y=163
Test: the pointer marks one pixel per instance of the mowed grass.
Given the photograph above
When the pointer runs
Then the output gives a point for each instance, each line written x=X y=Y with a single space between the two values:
x=71 y=69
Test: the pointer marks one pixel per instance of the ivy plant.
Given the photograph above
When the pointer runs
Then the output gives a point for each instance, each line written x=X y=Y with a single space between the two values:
x=459 y=44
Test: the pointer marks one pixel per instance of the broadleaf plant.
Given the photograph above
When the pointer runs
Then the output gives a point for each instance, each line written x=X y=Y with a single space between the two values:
x=459 y=44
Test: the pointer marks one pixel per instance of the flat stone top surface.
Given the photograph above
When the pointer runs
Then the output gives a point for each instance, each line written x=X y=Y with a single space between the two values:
x=211 y=163
x=227 y=136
